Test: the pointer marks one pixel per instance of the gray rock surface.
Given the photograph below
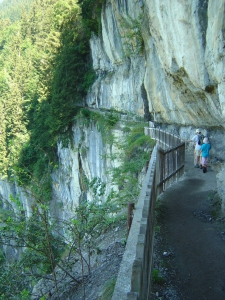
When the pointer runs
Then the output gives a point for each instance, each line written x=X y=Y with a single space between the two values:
x=221 y=185
x=175 y=78
x=177 y=74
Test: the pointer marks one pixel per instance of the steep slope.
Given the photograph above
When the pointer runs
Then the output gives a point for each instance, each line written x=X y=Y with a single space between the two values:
x=160 y=60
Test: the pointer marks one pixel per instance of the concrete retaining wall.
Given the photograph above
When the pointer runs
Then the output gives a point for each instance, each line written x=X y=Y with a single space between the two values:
x=134 y=269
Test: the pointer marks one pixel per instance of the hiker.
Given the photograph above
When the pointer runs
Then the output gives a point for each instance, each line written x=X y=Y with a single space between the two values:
x=197 y=146
x=205 y=148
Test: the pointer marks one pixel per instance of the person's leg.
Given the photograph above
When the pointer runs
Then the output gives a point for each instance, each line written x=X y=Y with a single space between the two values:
x=204 y=164
x=197 y=159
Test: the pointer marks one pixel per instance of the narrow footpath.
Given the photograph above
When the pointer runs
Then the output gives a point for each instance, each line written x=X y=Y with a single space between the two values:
x=189 y=251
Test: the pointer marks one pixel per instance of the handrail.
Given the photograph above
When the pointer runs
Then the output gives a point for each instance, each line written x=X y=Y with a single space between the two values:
x=171 y=152
x=166 y=166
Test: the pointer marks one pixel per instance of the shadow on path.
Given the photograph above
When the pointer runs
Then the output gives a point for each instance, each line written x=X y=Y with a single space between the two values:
x=190 y=246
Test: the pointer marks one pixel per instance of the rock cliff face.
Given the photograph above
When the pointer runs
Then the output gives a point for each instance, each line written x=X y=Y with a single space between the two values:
x=86 y=158
x=164 y=60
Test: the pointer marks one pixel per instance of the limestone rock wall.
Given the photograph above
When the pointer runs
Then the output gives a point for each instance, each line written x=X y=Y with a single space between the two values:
x=88 y=157
x=163 y=60
x=177 y=76
x=221 y=186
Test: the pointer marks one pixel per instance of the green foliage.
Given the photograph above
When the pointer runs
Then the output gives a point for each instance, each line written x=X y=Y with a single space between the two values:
x=91 y=13
x=131 y=35
x=42 y=240
x=108 y=289
x=2 y=257
x=25 y=295
x=12 y=284
x=156 y=278
x=12 y=9
x=104 y=121
x=45 y=73
x=42 y=248
x=39 y=234
x=97 y=186
x=137 y=142
x=136 y=150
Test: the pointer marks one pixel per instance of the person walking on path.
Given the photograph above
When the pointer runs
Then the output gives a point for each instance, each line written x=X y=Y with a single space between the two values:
x=205 y=148
x=197 y=146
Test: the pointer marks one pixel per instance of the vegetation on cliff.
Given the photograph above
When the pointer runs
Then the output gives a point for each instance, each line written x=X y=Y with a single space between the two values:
x=49 y=247
x=45 y=73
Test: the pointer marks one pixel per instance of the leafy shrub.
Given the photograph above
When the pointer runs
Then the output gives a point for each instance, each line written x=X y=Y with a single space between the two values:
x=156 y=278
x=109 y=289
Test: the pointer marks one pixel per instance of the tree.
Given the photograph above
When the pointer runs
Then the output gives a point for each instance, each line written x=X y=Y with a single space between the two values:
x=41 y=239
x=11 y=9
x=45 y=72
x=33 y=237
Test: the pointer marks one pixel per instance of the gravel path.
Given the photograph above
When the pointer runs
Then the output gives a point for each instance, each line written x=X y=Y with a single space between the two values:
x=190 y=244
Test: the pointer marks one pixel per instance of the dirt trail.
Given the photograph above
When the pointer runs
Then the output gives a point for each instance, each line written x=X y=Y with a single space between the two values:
x=190 y=247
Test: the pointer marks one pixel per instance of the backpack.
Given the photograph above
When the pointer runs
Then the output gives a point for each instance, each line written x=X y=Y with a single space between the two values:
x=200 y=139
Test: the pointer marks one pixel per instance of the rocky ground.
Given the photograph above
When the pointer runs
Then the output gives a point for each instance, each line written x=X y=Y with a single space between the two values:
x=98 y=285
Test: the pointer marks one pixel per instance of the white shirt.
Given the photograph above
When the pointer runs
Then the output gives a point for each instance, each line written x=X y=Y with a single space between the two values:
x=195 y=139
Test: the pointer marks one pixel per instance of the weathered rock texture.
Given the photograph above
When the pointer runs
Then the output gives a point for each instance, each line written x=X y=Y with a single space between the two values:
x=88 y=157
x=164 y=60
x=221 y=187
x=177 y=75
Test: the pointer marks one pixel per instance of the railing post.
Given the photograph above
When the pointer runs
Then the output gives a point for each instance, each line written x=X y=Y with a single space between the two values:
x=129 y=216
